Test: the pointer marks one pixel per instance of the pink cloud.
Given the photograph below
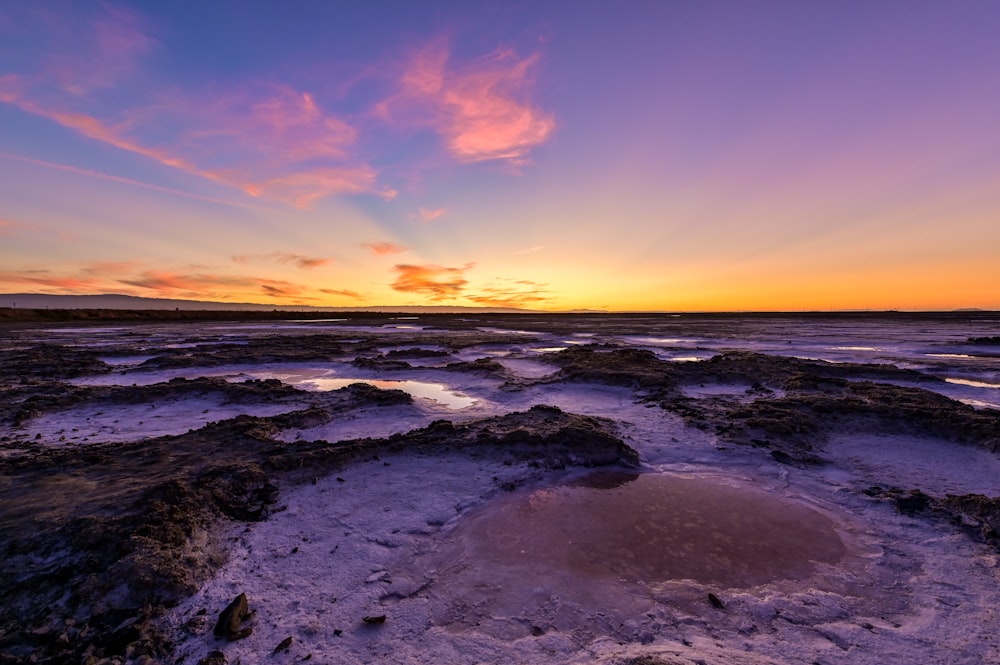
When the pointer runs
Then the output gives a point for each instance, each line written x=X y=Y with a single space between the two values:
x=430 y=214
x=10 y=88
x=384 y=248
x=9 y=225
x=87 y=54
x=268 y=140
x=299 y=185
x=482 y=109
x=256 y=121
x=44 y=278
x=111 y=277
x=304 y=188
x=437 y=282
x=171 y=284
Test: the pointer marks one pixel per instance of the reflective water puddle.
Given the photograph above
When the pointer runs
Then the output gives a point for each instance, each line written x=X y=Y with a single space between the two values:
x=437 y=392
x=654 y=527
x=321 y=380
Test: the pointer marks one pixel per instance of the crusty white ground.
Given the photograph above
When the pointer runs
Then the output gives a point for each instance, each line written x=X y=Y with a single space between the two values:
x=913 y=591
x=369 y=540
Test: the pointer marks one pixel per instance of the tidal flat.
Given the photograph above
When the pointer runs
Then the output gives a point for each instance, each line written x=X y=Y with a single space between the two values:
x=485 y=488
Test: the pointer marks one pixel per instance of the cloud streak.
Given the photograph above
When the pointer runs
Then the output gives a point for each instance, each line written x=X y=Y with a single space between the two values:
x=111 y=277
x=509 y=293
x=342 y=292
x=435 y=282
x=67 y=168
x=46 y=279
x=268 y=140
x=299 y=260
x=384 y=248
x=261 y=176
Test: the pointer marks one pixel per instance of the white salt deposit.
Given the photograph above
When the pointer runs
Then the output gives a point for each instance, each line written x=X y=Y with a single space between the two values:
x=355 y=546
x=86 y=424
x=385 y=537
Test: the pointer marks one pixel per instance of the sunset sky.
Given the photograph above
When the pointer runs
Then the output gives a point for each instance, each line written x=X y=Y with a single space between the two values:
x=650 y=155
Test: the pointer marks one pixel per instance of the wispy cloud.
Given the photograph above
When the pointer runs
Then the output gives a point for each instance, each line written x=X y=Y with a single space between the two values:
x=172 y=284
x=430 y=214
x=384 y=248
x=482 y=109
x=9 y=225
x=342 y=292
x=304 y=188
x=99 y=52
x=270 y=176
x=130 y=278
x=300 y=260
x=529 y=250
x=108 y=269
x=436 y=282
x=128 y=181
x=48 y=279
x=511 y=293
x=269 y=140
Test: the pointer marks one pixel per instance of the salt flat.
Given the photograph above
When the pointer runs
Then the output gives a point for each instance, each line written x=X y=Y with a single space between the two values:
x=341 y=470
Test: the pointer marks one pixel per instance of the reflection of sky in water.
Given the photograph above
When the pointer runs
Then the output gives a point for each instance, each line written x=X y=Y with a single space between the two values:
x=978 y=403
x=505 y=331
x=323 y=379
x=654 y=340
x=433 y=391
x=973 y=384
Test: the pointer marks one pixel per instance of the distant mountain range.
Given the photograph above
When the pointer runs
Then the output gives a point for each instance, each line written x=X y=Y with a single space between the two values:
x=118 y=301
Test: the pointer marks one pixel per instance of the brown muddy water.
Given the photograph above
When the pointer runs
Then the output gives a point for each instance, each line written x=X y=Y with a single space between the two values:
x=652 y=527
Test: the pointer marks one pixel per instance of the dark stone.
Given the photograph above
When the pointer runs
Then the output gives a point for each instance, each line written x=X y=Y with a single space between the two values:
x=374 y=620
x=231 y=619
x=214 y=658
x=283 y=645
x=912 y=503
x=714 y=601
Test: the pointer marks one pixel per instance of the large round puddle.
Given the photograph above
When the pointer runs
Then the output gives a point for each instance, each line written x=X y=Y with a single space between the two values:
x=654 y=527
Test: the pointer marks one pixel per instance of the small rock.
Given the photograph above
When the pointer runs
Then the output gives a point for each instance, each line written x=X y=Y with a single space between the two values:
x=214 y=658
x=283 y=646
x=715 y=602
x=374 y=620
x=231 y=620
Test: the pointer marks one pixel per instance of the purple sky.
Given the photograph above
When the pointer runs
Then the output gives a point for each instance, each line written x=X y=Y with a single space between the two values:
x=634 y=155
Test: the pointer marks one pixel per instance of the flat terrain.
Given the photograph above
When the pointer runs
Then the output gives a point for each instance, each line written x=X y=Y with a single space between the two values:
x=364 y=479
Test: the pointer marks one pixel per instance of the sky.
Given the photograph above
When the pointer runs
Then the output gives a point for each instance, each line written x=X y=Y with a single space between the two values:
x=625 y=156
